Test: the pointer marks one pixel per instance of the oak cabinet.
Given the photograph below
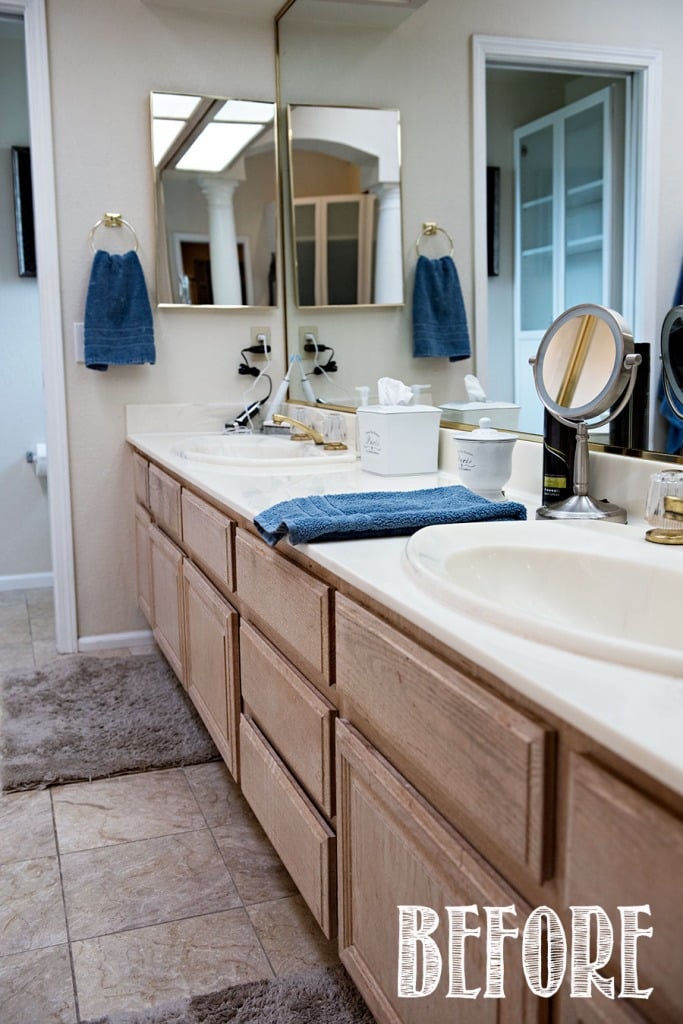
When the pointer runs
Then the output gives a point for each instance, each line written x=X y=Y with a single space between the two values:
x=143 y=563
x=211 y=662
x=141 y=479
x=623 y=849
x=483 y=764
x=208 y=537
x=164 y=502
x=288 y=605
x=303 y=839
x=292 y=714
x=167 y=595
x=395 y=850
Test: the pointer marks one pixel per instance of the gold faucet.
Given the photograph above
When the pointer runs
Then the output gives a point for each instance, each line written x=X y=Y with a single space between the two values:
x=673 y=509
x=307 y=433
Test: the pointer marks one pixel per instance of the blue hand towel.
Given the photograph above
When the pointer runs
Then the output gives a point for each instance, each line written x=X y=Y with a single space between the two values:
x=377 y=514
x=439 y=318
x=118 y=317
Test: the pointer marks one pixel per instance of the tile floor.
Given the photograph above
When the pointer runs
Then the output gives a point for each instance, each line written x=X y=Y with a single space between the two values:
x=129 y=892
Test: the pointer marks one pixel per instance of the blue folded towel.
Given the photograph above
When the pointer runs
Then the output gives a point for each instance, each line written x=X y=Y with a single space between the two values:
x=439 y=318
x=118 y=317
x=377 y=514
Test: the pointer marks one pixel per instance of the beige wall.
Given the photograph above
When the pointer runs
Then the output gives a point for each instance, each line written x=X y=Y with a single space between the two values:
x=105 y=58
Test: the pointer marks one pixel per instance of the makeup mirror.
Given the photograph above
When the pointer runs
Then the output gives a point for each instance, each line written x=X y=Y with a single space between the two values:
x=215 y=175
x=585 y=372
x=672 y=359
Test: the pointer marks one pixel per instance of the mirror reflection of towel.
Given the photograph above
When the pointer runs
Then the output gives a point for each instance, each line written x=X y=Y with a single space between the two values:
x=439 y=318
x=118 y=326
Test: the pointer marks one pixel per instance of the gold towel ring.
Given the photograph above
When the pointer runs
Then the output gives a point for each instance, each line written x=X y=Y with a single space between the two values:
x=430 y=228
x=112 y=220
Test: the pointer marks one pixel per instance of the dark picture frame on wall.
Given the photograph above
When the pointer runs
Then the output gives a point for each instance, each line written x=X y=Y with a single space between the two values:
x=23 y=210
x=493 y=220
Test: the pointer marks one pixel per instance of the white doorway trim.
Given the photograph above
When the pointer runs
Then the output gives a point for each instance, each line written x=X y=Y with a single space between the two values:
x=588 y=59
x=47 y=257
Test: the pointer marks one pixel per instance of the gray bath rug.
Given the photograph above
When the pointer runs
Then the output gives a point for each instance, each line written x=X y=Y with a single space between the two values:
x=87 y=718
x=325 y=995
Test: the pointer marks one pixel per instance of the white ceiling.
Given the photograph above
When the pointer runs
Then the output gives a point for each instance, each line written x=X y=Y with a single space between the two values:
x=242 y=8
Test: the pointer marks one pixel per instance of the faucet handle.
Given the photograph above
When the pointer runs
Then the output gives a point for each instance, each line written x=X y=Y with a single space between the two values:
x=673 y=507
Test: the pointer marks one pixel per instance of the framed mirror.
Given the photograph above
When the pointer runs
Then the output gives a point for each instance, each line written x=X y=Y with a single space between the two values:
x=351 y=54
x=345 y=196
x=215 y=177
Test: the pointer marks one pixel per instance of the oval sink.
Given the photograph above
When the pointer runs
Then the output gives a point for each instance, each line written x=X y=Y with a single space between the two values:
x=595 y=589
x=260 y=450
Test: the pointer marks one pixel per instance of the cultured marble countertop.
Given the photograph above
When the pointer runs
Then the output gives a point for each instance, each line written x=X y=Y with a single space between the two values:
x=637 y=714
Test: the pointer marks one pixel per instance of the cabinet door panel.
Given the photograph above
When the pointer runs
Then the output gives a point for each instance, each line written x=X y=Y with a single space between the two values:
x=625 y=850
x=211 y=663
x=143 y=562
x=140 y=479
x=482 y=764
x=395 y=850
x=166 y=560
x=288 y=605
x=164 y=501
x=294 y=716
x=303 y=839
x=208 y=537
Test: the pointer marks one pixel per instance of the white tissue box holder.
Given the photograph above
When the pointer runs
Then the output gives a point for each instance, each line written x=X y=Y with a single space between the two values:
x=398 y=440
x=503 y=415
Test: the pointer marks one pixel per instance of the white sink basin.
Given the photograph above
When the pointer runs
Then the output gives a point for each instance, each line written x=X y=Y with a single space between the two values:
x=596 y=589
x=260 y=450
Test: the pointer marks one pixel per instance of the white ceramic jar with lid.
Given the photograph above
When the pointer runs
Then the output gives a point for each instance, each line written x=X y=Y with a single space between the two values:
x=485 y=459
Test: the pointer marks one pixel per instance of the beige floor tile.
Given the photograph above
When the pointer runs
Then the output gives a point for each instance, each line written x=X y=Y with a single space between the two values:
x=143 y=968
x=42 y=623
x=39 y=597
x=31 y=907
x=124 y=809
x=14 y=623
x=133 y=885
x=291 y=937
x=45 y=652
x=12 y=597
x=254 y=865
x=218 y=795
x=16 y=657
x=37 y=987
x=26 y=829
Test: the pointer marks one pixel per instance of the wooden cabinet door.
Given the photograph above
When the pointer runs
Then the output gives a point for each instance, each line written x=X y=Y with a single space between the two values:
x=166 y=561
x=143 y=562
x=211 y=665
x=623 y=849
x=394 y=849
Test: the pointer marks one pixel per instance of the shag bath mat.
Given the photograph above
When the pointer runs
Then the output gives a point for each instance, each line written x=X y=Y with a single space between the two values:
x=324 y=995
x=87 y=718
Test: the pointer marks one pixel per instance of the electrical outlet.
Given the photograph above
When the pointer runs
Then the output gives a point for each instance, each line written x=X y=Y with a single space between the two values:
x=303 y=331
x=258 y=334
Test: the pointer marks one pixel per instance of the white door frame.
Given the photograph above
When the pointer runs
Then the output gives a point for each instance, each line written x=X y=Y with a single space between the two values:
x=646 y=115
x=47 y=258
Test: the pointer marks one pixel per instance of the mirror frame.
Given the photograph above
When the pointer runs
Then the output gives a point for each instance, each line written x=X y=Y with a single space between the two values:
x=668 y=377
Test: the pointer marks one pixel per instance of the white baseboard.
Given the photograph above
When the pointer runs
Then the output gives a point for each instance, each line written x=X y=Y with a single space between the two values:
x=139 y=639
x=27 y=581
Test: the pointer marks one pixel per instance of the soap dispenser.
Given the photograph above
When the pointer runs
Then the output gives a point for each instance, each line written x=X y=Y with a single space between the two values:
x=485 y=459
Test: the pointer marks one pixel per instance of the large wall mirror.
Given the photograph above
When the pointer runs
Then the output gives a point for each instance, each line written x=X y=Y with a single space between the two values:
x=597 y=233
x=345 y=211
x=215 y=174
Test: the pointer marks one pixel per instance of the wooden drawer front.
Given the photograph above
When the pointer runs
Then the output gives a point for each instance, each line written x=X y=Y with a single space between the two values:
x=167 y=598
x=484 y=765
x=625 y=850
x=140 y=481
x=395 y=850
x=302 y=838
x=164 y=501
x=208 y=536
x=293 y=715
x=288 y=605
x=144 y=563
x=211 y=662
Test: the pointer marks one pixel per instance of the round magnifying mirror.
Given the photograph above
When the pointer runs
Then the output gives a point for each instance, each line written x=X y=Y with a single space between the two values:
x=580 y=371
x=585 y=370
x=672 y=358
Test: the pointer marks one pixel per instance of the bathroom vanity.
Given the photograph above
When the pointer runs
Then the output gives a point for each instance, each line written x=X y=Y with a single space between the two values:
x=397 y=752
